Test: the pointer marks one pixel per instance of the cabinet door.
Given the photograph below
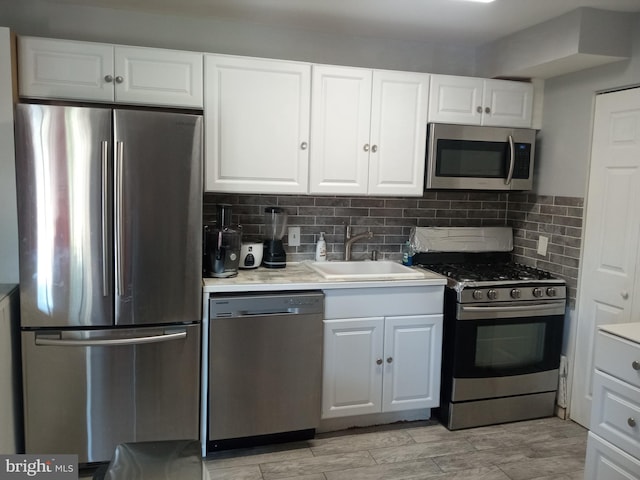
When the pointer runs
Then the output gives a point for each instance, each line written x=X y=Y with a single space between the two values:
x=341 y=109
x=455 y=99
x=352 y=374
x=152 y=76
x=607 y=462
x=65 y=69
x=398 y=133
x=510 y=104
x=256 y=125
x=412 y=356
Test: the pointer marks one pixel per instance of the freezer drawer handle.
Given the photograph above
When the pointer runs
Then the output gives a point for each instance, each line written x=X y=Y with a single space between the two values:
x=68 y=342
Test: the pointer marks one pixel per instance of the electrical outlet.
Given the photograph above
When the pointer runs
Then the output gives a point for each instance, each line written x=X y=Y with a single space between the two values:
x=294 y=237
x=543 y=243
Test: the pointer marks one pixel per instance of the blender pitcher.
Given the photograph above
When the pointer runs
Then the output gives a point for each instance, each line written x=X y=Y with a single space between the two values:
x=275 y=225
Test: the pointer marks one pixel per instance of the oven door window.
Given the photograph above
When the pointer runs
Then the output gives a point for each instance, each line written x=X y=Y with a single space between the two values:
x=517 y=346
x=464 y=158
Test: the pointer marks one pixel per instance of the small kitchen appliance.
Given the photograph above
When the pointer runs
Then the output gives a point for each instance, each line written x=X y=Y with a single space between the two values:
x=275 y=225
x=221 y=246
x=503 y=325
x=251 y=254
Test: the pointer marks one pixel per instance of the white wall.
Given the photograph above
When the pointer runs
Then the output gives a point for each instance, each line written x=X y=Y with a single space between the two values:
x=565 y=140
x=8 y=214
x=32 y=17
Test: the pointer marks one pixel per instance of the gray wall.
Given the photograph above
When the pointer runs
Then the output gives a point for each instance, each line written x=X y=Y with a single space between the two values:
x=8 y=213
x=565 y=139
x=32 y=17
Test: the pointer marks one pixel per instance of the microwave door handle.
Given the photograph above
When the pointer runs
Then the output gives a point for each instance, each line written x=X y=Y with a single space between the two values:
x=512 y=160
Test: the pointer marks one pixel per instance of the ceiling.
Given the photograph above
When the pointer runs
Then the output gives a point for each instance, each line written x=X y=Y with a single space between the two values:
x=455 y=22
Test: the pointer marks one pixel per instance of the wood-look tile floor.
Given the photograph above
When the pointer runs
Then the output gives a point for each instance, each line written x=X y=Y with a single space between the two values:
x=545 y=449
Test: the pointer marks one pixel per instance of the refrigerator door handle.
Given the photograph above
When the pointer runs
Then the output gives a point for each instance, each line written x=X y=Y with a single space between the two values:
x=53 y=339
x=105 y=217
x=119 y=219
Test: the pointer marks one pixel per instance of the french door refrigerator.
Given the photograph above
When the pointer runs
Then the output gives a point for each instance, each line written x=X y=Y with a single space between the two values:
x=110 y=214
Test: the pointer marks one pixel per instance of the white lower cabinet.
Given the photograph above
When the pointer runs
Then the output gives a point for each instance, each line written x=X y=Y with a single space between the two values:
x=382 y=363
x=613 y=450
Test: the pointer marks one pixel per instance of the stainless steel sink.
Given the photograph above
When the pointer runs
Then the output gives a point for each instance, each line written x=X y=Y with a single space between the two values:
x=380 y=270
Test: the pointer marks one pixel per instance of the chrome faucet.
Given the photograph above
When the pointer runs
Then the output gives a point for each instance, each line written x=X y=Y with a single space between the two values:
x=349 y=240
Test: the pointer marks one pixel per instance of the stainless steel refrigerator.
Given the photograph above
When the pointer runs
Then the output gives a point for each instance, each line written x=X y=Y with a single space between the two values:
x=110 y=214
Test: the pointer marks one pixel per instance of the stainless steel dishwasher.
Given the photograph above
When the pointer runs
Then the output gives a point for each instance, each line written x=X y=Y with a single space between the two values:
x=265 y=370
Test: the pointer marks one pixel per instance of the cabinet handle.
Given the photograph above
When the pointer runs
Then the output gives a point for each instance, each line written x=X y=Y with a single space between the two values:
x=374 y=149
x=624 y=295
x=119 y=79
x=389 y=359
x=379 y=361
x=108 y=78
x=479 y=109
x=366 y=147
x=487 y=110
x=635 y=365
x=304 y=145
x=631 y=421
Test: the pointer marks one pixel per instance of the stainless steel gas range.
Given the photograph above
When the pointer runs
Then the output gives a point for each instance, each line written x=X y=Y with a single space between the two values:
x=503 y=326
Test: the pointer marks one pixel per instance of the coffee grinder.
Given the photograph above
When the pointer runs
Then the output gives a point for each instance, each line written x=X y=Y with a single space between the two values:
x=275 y=225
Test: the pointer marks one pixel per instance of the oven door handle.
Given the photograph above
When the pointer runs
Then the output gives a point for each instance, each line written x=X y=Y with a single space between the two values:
x=470 y=312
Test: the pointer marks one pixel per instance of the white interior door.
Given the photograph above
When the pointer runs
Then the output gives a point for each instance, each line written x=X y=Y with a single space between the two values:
x=609 y=261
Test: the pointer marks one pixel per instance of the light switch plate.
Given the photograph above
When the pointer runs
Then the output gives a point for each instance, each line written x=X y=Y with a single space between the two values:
x=294 y=237
x=543 y=242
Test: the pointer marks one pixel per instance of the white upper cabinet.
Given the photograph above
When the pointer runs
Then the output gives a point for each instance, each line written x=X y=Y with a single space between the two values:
x=477 y=101
x=256 y=125
x=368 y=131
x=65 y=69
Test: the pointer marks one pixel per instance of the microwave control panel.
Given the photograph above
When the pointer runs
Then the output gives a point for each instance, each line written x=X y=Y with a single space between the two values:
x=522 y=161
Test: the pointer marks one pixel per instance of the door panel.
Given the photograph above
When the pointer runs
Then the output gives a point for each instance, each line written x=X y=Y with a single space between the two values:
x=257 y=125
x=398 y=131
x=158 y=217
x=352 y=380
x=412 y=349
x=65 y=69
x=341 y=112
x=63 y=186
x=152 y=76
x=609 y=263
x=85 y=400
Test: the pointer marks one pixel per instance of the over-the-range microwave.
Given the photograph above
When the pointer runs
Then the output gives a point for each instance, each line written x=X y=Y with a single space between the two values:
x=468 y=157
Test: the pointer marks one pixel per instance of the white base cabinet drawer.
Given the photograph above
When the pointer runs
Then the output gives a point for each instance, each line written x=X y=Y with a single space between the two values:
x=615 y=414
x=618 y=357
x=607 y=462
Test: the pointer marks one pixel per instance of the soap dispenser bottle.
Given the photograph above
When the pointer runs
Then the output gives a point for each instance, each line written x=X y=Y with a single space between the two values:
x=321 y=249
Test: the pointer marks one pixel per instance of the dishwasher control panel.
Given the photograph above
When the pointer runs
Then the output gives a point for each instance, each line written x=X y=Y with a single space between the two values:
x=263 y=303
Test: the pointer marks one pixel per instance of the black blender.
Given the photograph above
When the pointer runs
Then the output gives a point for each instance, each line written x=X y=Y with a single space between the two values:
x=275 y=224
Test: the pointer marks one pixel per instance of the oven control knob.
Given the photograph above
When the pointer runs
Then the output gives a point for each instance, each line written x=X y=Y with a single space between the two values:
x=551 y=292
x=516 y=293
x=492 y=294
x=477 y=294
x=537 y=292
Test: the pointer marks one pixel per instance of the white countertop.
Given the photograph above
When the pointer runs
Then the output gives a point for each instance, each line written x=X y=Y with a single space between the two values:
x=630 y=331
x=299 y=276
